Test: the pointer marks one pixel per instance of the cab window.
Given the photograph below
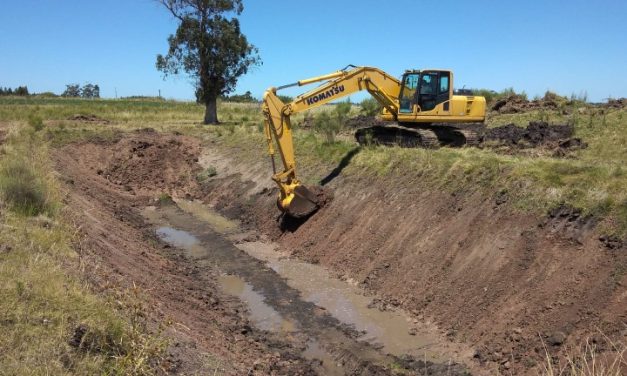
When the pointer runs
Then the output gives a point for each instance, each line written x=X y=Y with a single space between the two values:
x=410 y=84
x=444 y=84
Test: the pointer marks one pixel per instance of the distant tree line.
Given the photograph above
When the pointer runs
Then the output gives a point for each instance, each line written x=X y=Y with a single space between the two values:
x=21 y=91
x=89 y=91
x=247 y=97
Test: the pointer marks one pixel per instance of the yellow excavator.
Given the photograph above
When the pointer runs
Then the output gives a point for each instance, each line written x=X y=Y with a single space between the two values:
x=422 y=110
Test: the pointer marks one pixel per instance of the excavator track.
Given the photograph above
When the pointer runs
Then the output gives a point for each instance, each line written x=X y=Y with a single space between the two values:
x=429 y=137
x=397 y=135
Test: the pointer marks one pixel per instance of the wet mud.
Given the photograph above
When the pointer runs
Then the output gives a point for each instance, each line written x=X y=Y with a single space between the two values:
x=303 y=301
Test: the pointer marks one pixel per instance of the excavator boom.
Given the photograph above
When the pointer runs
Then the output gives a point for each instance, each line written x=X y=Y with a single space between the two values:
x=294 y=198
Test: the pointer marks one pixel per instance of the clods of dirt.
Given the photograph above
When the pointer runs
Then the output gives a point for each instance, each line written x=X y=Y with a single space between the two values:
x=516 y=103
x=616 y=103
x=569 y=222
x=536 y=134
x=611 y=242
x=88 y=118
x=363 y=121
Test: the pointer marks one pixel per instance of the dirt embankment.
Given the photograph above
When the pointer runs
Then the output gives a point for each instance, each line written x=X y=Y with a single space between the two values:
x=208 y=331
x=511 y=285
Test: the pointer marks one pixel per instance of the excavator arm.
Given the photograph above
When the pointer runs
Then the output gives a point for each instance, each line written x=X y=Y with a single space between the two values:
x=294 y=198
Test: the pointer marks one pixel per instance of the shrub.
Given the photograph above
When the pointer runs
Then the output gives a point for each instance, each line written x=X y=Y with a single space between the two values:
x=327 y=125
x=36 y=122
x=370 y=107
x=285 y=98
x=21 y=189
x=204 y=175
x=342 y=110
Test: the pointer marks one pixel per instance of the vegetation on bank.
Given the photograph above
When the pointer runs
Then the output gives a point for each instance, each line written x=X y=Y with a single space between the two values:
x=50 y=320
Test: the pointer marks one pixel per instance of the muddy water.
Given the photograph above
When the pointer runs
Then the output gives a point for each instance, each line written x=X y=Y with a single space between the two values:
x=261 y=314
x=288 y=296
x=345 y=302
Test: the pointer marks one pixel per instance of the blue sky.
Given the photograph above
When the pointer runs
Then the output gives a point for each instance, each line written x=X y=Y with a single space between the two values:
x=569 y=47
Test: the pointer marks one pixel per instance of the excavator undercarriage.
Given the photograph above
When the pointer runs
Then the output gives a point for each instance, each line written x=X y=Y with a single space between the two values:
x=417 y=135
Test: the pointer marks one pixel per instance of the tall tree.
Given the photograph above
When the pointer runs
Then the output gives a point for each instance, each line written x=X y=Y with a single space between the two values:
x=209 y=46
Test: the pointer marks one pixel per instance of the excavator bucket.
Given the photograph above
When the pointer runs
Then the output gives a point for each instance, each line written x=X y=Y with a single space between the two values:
x=304 y=203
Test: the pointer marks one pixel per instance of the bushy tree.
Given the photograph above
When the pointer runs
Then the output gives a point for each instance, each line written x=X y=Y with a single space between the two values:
x=285 y=98
x=72 y=91
x=21 y=91
x=87 y=91
x=247 y=97
x=209 y=46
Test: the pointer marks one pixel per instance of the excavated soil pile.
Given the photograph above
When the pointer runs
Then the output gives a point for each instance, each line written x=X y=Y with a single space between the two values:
x=88 y=118
x=536 y=134
x=363 y=121
x=516 y=103
x=616 y=103
x=148 y=161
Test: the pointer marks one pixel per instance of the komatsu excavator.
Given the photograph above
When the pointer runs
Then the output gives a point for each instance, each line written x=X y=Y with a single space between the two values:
x=421 y=108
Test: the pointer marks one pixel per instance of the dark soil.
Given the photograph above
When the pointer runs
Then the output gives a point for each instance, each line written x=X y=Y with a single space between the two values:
x=537 y=133
x=616 y=103
x=516 y=104
x=88 y=118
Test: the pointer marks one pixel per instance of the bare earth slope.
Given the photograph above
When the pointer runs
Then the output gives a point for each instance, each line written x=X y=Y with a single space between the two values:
x=506 y=283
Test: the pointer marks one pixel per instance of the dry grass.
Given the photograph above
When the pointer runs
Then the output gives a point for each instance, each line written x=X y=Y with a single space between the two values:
x=588 y=361
x=50 y=321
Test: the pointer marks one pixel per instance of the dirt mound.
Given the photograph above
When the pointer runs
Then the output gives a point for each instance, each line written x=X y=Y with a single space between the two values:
x=88 y=118
x=517 y=103
x=616 y=103
x=150 y=161
x=144 y=162
x=363 y=121
x=536 y=134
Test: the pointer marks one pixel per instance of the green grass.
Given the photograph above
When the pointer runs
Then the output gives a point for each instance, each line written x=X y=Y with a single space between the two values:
x=44 y=299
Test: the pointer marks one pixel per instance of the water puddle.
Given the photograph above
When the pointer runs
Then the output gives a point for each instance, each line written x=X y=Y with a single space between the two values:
x=177 y=238
x=212 y=218
x=327 y=363
x=346 y=303
x=262 y=315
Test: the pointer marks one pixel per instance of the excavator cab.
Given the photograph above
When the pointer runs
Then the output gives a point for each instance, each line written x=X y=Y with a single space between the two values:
x=422 y=91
